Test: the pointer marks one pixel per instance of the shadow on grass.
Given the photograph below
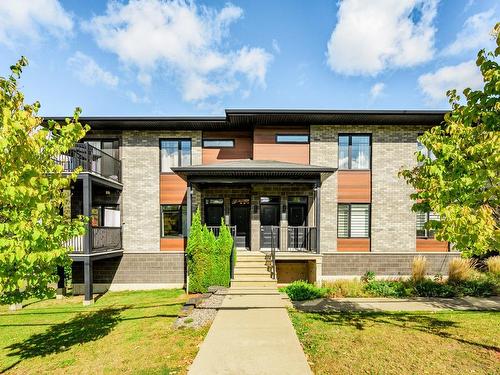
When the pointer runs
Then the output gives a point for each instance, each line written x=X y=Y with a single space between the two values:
x=83 y=328
x=407 y=321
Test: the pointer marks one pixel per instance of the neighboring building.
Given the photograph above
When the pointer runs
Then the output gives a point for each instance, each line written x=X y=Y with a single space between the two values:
x=321 y=187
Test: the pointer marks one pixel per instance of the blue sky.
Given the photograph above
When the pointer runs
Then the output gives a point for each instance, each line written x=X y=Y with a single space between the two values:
x=158 y=57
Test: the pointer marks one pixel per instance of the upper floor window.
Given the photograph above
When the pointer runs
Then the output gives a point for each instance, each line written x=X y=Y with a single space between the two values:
x=354 y=151
x=174 y=153
x=353 y=220
x=422 y=218
x=292 y=138
x=218 y=143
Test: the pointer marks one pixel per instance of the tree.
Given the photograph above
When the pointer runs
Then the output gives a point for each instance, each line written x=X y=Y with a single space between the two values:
x=33 y=230
x=461 y=180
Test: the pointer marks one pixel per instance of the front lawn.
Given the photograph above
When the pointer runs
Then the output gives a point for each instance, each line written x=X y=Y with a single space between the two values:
x=400 y=343
x=123 y=332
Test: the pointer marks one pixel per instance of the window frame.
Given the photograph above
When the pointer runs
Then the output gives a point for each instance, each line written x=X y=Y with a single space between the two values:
x=292 y=142
x=428 y=234
x=180 y=213
x=349 y=219
x=232 y=140
x=349 y=151
x=179 y=152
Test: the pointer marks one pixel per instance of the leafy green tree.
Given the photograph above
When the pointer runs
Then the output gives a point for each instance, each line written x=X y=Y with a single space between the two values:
x=33 y=231
x=462 y=182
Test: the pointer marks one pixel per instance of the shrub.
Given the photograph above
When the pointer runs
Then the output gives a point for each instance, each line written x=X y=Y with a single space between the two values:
x=301 y=291
x=368 y=276
x=418 y=268
x=460 y=269
x=493 y=264
x=429 y=288
x=398 y=289
x=344 y=288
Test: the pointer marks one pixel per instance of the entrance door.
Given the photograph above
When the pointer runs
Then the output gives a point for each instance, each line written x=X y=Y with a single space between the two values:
x=269 y=216
x=297 y=222
x=240 y=216
x=214 y=211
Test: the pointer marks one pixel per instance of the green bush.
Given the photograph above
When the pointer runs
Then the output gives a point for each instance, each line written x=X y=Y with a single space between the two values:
x=208 y=257
x=430 y=288
x=398 y=289
x=301 y=291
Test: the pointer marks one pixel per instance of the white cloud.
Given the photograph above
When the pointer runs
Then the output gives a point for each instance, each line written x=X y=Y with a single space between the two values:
x=434 y=85
x=475 y=34
x=134 y=98
x=31 y=19
x=183 y=40
x=371 y=36
x=376 y=90
x=89 y=72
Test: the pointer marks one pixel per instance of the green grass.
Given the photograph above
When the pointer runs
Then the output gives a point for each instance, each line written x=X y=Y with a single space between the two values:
x=123 y=332
x=400 y=343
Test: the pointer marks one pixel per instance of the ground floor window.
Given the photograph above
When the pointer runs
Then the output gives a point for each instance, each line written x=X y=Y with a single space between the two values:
x=353 y=220
x=422 y=218
x=173 y=220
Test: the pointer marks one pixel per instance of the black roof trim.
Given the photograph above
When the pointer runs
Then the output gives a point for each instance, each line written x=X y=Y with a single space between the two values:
x=246 y=118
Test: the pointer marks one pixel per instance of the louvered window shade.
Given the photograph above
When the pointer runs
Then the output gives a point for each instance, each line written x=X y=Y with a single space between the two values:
x=353 y=221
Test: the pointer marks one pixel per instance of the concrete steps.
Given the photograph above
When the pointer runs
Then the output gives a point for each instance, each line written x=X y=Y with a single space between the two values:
x=251 y=271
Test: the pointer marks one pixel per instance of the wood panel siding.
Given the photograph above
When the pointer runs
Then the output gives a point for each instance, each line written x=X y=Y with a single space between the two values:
x=354 y=187
x=172 y=244
x=243 y=146
x=290 y=271
x=172 y=189
x=353 y=244
x=266 y=148
x=431 y=245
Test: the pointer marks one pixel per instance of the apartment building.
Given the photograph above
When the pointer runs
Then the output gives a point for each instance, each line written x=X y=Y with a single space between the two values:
x=319 y=188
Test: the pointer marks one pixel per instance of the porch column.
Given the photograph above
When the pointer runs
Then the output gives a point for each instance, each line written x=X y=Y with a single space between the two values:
x=87 y=278
x=61 y=283
x=189 y=208
x=317 y=213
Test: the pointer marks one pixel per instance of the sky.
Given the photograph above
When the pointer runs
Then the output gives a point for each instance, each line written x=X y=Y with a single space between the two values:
x=167 y=58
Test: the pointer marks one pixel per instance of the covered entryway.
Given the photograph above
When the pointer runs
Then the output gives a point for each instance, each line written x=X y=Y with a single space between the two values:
x=240 y=218
x=269 y=218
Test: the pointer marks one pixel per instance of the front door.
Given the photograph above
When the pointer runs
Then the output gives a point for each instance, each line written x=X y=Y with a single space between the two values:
x=269 y=217
x=240 y=217
x=214 y=211
x=297 y=222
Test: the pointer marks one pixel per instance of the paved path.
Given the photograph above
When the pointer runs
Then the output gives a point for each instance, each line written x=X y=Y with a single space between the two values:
x=394 y=304
x=251 y=334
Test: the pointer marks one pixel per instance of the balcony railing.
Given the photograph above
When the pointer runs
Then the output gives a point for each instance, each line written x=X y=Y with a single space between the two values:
x=102 y=238
x=289 y=238
x=91 y=159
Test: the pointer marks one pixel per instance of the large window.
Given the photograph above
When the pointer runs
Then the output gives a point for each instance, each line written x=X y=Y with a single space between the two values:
x=292 y=138
x=422 y=218
x=353 y=221
x=354 y=151
x=173 y=220
x=175 y=153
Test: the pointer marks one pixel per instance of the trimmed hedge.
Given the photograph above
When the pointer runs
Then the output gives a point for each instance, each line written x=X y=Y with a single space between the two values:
x=208 y=257
x=301 y=291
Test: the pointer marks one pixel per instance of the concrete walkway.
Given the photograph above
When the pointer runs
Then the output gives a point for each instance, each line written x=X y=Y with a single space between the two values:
x=251 y=334
x=393 y=304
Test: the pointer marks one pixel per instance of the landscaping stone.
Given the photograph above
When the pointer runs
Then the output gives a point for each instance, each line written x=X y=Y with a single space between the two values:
x=202 y=310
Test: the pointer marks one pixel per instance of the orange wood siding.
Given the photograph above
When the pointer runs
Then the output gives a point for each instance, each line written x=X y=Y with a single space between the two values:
x=266 y=148
x=172 y=244
x=354 y=187
x=172 y=189
x=243 y=147
x=353 y=244
x=430 y=244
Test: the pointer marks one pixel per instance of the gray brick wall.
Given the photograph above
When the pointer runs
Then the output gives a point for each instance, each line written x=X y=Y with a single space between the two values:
x=164 y=267
x=141 y=185
x=393 y=147
x=383 y=264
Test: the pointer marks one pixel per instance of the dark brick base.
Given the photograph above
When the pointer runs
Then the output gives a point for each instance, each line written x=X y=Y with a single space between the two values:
x=383 y=264
x=155 y=268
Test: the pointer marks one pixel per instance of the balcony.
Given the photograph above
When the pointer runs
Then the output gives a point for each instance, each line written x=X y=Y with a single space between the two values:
x=91 y=160
x=289 y=238
x=103 y=239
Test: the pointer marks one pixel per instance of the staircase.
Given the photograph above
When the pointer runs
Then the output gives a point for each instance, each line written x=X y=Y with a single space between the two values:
x=251 y=271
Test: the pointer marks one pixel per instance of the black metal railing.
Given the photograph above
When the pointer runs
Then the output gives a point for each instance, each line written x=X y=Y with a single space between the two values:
x=91 y=159
x=102 y=239
x=232 y=258
x=289 y=238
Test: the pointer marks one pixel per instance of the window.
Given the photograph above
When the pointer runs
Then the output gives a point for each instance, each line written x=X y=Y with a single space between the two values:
x=422 y=218
x=354 y=151
x=174 y=153
x=173 y=220
x=292 y=138
x=218 y=143
x=353 y=221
